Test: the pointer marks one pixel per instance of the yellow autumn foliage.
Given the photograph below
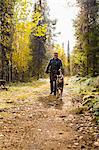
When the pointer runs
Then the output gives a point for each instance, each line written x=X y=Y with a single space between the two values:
x=39 y=29
x=21 y=53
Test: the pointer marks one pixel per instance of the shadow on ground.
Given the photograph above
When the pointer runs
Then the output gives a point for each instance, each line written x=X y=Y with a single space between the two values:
x=51 y=101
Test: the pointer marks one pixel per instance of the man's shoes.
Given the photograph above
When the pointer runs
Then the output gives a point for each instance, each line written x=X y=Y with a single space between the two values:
x=51 y=93
x=54 y=93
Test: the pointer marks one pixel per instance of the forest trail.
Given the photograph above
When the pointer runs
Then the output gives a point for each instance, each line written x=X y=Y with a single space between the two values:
x=38 y=121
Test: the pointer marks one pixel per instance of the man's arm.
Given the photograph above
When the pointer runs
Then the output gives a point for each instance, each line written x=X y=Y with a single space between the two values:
x=48 y=67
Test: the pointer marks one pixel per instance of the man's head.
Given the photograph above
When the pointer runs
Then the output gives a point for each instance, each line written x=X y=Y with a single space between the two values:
x=55 y=55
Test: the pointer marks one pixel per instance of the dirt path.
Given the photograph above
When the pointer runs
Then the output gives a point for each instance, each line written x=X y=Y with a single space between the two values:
x=47 y=124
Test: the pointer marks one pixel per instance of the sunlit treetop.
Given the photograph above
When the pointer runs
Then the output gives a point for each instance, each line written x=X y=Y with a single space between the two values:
x=39 y=26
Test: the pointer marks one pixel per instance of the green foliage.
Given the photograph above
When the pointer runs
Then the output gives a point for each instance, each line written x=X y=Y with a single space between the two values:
x=85 y=55
x=39 y=29
x=6 y=36
x=25 y=38
x=79 y=62
x=93 y=105
x=6 y=17
x=88 y=88
x=39 y=39
x=22 y=11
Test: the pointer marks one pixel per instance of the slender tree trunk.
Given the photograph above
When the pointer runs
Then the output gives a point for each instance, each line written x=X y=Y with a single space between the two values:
x=68 y=55
x=2 y=63
x=7 y=70
x=11 y=67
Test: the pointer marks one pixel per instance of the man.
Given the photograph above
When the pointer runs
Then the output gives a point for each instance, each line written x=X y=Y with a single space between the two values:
x=53 y=68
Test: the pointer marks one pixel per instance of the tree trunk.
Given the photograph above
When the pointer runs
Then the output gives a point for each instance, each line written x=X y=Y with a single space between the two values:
x=2 y=63
x=11 y=67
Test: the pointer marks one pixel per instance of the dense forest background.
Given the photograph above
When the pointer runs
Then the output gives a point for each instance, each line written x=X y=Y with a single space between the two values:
x=85 y=55
x=26 y=41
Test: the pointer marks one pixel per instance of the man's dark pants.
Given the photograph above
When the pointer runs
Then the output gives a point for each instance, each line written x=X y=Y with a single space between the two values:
x=53 y=77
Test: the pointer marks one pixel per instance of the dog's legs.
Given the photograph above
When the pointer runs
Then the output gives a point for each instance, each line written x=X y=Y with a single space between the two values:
x=57 y=93
x=61 y=94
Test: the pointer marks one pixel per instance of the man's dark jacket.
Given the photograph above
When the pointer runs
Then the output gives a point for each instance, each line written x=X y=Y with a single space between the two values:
x=54 y=65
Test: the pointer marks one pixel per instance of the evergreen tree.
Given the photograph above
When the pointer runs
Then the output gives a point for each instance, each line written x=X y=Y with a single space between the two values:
x=87 y=28
x=6 y=36
x=39 y=38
